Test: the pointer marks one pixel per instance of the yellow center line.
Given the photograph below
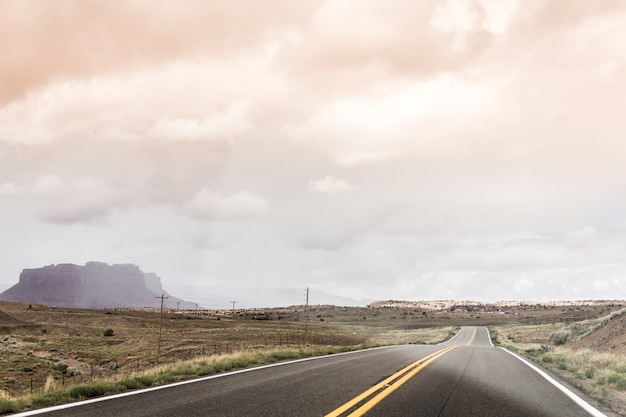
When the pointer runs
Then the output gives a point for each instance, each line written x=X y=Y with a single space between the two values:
x=387 y=386
x=469 y=342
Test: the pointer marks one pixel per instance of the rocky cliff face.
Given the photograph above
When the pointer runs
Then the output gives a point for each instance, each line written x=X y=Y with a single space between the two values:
x=94 y=285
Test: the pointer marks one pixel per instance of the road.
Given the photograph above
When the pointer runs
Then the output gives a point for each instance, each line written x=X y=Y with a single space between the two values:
x=465 y=376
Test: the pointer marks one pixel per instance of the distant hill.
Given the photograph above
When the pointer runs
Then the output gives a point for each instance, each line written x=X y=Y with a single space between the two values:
x=94 y=285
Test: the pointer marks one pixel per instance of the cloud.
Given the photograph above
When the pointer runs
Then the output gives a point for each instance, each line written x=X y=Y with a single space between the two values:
x=213 y=205
x=581 y=238
x=194 y=101
x=466 y=142
x=226 y=124
x=73 y=200
x=80 y=40
x=376 y=128
x=351 y=44
x=330 y=185
x=9 y=189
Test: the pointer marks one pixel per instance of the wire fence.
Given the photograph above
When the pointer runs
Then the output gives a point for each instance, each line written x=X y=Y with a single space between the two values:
x=117 y=366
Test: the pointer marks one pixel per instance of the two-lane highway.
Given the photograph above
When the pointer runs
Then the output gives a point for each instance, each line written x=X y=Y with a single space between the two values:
x=473 y=378
x=466 y=376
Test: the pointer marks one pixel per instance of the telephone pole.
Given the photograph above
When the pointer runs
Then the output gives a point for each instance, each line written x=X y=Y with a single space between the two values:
x=234 y=302
x=306 y=315
x=162 y=297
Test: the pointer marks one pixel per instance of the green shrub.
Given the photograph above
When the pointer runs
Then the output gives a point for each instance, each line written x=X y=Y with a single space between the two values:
x=73 y=371
x=561 y=336
x=88 y=391
x=618 y=381
x=61 y=366
x=137 y=382
x=7 y=406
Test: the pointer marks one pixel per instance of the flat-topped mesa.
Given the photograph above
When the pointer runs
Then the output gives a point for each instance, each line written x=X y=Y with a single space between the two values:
x=91 y=273
x=94 y=285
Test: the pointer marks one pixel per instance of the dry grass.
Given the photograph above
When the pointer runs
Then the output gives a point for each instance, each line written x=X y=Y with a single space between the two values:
x=526 y=337
x=426 y=336
x=600 y=374
x=159 y=375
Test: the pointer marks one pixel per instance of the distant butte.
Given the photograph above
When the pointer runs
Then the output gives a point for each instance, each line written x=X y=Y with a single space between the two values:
x=94 y=285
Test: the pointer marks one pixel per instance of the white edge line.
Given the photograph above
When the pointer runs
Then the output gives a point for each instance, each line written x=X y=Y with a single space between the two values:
x=452 y=338
x=176 y=384
x=582 y=403
x=489 y=336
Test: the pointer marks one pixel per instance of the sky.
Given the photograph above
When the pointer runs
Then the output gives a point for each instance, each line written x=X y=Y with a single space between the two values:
x=368 y=149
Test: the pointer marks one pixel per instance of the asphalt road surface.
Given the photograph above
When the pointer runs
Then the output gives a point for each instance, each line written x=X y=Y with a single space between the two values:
x=465 y=377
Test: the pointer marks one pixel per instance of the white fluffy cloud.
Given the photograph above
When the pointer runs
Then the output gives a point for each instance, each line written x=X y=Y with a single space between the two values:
x=69 y=200
x=213 y=205
x=330 y=185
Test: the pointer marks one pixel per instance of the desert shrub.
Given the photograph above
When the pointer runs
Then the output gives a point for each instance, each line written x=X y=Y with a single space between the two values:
x=109 y=333
x=618 y=381
x=73 y=371
x=561 y=336
x=61 y=366
x=7 y=406
x=138 y=382
x=88 y=391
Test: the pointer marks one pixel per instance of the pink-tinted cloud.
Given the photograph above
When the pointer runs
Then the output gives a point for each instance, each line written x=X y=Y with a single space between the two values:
x=44 y=41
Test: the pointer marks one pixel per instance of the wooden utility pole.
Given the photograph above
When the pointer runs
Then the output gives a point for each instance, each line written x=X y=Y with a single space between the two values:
x=162 y=297
x=306 y=315
x=234 y=302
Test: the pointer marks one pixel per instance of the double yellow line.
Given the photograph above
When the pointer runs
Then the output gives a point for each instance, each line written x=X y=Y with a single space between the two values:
x=381 y=390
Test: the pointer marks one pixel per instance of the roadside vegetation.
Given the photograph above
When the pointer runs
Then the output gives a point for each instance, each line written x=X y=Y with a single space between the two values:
x=53 y=393
x=600 y=374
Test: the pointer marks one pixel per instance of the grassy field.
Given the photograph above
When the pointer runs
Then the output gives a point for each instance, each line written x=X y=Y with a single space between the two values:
x=49 y=355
